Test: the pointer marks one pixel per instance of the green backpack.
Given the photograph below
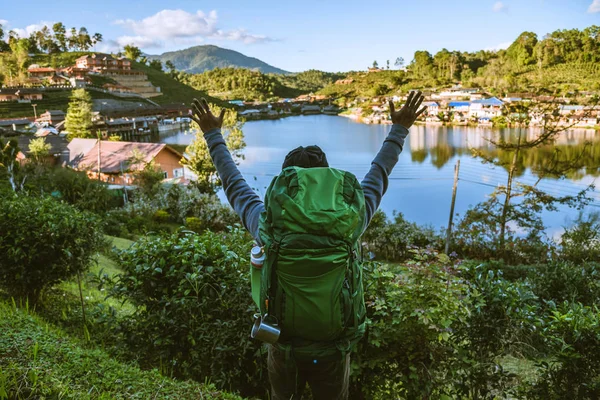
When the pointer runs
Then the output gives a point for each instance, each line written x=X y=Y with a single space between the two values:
x=311 y=279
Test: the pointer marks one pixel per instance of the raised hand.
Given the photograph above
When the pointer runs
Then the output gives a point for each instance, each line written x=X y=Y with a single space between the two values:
x=202 y=115
x=408 y=114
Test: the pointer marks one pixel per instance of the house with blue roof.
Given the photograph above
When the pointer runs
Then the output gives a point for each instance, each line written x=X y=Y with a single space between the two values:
x=486 y=109
x=459 y=106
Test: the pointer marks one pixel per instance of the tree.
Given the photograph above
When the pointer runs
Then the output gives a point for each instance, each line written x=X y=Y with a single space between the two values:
x=97 y=38
x=169 y=64
x=501 y=211
x=73 y=39
x=199 y=160
x=44 y=242
x=156 y=64
x=388 y=64
x=84 y=41
x=521 y=51
x=39 y=149
x=375 y=64
x=132 y=52
x=78 y=122
x=60 y=35
x=3 y=45
x=399 y=62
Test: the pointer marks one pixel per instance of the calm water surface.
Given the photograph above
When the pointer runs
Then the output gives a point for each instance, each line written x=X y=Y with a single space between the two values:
x=421 y=183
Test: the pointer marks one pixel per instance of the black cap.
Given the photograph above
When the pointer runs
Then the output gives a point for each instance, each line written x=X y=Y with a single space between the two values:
x=306 y=157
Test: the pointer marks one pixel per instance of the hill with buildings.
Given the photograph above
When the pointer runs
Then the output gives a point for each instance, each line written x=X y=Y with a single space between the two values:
x=198 y=59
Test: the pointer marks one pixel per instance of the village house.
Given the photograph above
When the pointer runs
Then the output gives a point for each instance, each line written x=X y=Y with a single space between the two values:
x=118 y=160
x=41 y=73
x=51 y=117
x=486 y=109
x=459 y=106
x=117 y=88
x=433 y=108
x=570 y=109
x=20 y=95
x=103 y=63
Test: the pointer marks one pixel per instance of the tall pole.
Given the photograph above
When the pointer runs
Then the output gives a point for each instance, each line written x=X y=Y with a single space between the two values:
x=449 y=230
x=34 y=110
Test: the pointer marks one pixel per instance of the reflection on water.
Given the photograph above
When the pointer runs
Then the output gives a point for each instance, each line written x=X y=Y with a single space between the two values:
x=421 y=184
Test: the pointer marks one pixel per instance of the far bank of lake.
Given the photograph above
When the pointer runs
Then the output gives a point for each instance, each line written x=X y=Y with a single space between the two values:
x=421 y=184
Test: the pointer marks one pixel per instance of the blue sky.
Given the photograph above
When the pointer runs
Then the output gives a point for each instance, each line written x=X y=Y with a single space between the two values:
x=299 y=35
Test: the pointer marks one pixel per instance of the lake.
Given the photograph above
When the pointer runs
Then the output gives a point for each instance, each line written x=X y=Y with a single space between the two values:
x=421 y=183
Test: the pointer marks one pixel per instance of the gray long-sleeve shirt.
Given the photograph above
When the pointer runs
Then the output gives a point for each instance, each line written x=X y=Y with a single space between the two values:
x=248 y=205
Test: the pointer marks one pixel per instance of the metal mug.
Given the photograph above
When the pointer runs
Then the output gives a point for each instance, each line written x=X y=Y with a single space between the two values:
x=265 y=328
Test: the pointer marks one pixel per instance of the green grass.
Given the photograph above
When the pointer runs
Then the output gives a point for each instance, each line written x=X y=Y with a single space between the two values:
x=55 y=100
x=38 y=360
x=89 y=288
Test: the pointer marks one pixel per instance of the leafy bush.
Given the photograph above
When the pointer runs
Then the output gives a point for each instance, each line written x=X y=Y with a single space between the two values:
x=503 y=316
x=161 y=216
x=393 y=240
x=581 y=241
x=73 y=187
x=477 y=236
x=412 y=311
x=564 y=281
x=43 y=242
x=193 y=307
x=194 y=224
x=38 y=361
x=573 y=371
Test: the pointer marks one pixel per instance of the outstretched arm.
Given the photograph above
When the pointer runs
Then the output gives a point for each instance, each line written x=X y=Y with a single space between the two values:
x=376 y=181
x=240 y=195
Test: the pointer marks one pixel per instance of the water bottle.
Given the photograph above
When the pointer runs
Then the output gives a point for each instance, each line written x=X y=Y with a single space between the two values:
x=257 y=256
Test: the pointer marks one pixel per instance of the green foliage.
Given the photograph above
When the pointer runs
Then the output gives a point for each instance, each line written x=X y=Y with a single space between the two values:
x=132 y=52
x=239 y=83
x=161 y=216
x=78 y=121
x=581 y=241
x=194 y=224
x=39 y=149
x=193 y=309
x=393 y=240
x=73 y=187
x=573 y=338
x=412 y=311
x=308 y=81
x=566 y=281
x=43 y=242
x=39 y=361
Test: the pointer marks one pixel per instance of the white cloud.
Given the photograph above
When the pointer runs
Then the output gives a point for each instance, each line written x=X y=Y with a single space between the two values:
x=3 y=22
x=500 y=6
x=29 y=29
x=594 y=7
x=181 y=27
x=501 y=46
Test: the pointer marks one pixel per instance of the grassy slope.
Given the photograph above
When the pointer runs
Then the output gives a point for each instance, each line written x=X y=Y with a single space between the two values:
x=105 y=265
x=40 y=361
x=58 y=100
x=172 y=90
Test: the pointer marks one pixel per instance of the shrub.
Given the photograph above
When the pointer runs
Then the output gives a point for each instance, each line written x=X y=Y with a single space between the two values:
x=581 y=241
x=573 y=370
x=194 y=224
x=161 y=216
x=503 y=316
x=193 y=307
x=393 y=240
x=565 y=281
x=412 y=310
x=43 y=242
x=75 y=188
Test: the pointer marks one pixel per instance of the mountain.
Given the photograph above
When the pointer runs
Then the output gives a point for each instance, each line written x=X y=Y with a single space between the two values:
x=198 y=59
